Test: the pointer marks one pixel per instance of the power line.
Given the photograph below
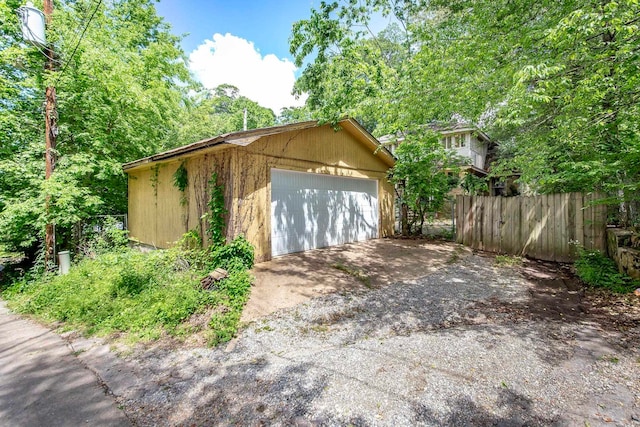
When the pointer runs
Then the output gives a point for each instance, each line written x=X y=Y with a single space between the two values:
x=79 y=41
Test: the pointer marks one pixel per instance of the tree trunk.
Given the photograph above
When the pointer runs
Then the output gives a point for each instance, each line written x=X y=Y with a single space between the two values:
x=404 y=218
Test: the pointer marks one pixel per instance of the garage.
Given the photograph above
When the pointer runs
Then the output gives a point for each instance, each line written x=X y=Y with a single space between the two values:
x=310 y=211
x=287 y=188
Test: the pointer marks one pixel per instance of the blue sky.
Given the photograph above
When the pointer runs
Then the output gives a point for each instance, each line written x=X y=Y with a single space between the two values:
x=242 y=42
x=266 y=23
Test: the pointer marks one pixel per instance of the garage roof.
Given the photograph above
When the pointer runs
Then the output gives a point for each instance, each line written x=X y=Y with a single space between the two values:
x=245 y=138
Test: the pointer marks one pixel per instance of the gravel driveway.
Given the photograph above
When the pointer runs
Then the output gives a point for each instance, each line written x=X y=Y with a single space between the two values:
x=470 y=344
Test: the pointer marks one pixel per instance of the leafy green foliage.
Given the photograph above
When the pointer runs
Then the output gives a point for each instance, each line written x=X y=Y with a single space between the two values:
x=293 y=115
x=424 y=173
x=223 y=325
x=554 y=81
x=221 y=110
x=144 y=295
x=105 y=236
x=598 y=270
x=237 y=255
x=216 y=223
x=117 y=292
x=181 y=178
x=119 y=99
x=474 y=185
x=181 y=182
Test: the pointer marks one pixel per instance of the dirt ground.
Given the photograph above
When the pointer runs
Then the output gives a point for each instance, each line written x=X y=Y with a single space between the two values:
x=556 y=294
x=293 y=279
x=409 y=332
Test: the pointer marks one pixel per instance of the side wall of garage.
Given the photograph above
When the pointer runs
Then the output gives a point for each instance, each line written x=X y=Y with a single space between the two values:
x=159 y=214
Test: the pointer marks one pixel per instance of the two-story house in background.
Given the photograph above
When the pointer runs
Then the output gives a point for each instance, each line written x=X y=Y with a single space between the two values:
x=464 y=140
x=468 y=142
x=474 y=146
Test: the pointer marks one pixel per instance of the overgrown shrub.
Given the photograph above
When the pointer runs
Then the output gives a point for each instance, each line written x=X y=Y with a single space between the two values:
x=235 y=256
x=108 y=236
x=224 y=322
x=143 y=295
x=474 y=185
x=597 y=270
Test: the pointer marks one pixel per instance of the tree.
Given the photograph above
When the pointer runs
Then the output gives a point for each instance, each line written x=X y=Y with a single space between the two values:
x=557 y=81
x=120 y=90
x=423 y=176
x=294 y=115
x=371 y=77
x=474 y=185
x=221 y=110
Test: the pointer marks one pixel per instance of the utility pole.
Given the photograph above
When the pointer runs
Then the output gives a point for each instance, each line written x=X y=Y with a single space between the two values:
x=51 y=131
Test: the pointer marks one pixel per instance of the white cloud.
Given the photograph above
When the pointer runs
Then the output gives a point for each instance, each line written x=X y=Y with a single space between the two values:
x=229 y=59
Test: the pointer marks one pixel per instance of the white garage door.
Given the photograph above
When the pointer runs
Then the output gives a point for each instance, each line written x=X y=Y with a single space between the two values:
x=314 y=211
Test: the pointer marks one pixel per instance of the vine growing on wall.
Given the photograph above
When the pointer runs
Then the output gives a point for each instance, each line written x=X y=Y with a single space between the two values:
x=155 y=174
x=216 y=225
x=181 y=182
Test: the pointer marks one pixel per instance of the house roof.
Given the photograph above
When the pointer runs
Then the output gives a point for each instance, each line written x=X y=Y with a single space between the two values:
x=244 y=138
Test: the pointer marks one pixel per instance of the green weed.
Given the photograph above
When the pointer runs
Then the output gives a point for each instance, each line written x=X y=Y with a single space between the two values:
x=265 y=328
x=597 y=270
x=143 y=295
x=507 y=261
x=354 y=272
x=610 y=359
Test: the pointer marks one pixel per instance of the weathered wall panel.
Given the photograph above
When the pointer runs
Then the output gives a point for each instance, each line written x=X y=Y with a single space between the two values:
x=142 y=207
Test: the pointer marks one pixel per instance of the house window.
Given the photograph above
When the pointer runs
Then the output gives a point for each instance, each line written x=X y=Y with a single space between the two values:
x=455 y=141
x=458 y=141
x=461 y=140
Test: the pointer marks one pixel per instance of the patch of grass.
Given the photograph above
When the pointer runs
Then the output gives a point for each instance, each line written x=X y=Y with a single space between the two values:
x=507 y=260
x=354 y=272
x=599 y=271
x=610 y=359
x=138 y=296
x=265 y=328
x=455 y=256
x=320 y=328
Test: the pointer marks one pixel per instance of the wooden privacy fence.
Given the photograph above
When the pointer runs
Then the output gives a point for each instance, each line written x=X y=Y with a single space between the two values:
x=539 y=227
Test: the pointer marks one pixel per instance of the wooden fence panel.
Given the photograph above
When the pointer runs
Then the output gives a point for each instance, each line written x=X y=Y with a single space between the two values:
x=540 y=227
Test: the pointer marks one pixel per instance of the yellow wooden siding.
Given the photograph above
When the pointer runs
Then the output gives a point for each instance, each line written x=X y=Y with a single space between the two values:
x=155 y=212
x=246 y=175
x=142 y=213
x=321 y=145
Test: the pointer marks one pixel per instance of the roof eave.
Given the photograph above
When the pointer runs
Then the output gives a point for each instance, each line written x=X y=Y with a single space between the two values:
x=236 y=138
x=379 y=150
x=244 y=138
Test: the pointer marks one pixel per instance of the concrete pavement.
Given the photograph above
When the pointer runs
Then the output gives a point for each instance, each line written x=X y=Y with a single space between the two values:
x=43 y=384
